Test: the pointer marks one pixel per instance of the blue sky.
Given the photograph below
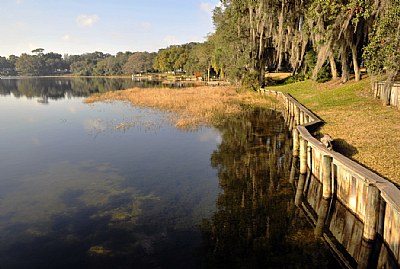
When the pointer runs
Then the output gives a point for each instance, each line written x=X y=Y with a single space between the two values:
x=110 y=26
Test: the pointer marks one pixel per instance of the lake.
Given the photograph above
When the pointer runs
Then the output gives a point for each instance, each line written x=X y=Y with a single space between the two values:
x=109 y=185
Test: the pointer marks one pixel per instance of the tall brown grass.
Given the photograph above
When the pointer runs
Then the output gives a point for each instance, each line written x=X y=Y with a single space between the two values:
x=190 y=107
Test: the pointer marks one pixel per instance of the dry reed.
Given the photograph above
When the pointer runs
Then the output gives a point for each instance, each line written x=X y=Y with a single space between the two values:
x=189 y=107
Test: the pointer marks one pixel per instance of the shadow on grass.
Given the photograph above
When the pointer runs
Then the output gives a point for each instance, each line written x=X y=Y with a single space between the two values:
x=341 y=146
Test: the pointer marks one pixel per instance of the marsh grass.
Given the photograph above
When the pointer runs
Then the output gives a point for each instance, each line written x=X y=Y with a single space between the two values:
x=364 y=129
x=189 y=107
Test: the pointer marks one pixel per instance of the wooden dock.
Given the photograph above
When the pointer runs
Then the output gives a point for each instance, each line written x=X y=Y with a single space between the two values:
x=371 y=199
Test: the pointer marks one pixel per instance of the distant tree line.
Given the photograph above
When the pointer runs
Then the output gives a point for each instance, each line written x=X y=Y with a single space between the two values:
x=191 y=58
x=318 y=39
x=89 y=64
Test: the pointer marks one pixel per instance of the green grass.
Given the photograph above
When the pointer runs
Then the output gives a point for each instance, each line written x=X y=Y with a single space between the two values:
x=315 y=96
x=367 y=130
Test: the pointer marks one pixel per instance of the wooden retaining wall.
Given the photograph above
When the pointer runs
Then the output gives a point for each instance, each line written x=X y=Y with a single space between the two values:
x=372 y=199
x=379 y=87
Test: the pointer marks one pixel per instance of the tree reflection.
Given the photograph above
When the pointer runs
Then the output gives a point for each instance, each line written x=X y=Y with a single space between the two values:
x=60 y=88
x=257 y=223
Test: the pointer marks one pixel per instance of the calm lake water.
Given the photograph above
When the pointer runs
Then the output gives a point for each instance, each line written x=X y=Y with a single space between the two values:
x=78 y=189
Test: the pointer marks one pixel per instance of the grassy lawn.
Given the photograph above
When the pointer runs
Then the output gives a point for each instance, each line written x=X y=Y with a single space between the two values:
x=362 y=127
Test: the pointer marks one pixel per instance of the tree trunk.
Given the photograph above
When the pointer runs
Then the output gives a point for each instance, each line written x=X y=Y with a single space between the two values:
x=280 y=38
x=261 y=78
x=345 y=66
x=323 y=53
x=356 y=66
x=333 y=66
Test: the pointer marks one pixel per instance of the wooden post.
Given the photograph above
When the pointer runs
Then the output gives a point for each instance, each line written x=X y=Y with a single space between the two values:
x=322 y=214
x=303 y=156
x=309 y=157
x=371 y=218
x=291 y=119
x=297 y=115
x=381 y=222
x=296 y=142
x=301 y=120
x=291 y=109
x=293 y=169
x=299 y=190
x=327 y=177
x=287 y=106
x=365 y=256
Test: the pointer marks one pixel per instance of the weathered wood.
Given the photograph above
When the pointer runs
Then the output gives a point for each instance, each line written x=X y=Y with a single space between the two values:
x=299 y=190
x=291 y=123
x=301 y=119
x=322 y=215
x=371 y=213
x=297 y=115
x=370 y=198
x=303 y=156
x=326 y=177
x=293 y=169
x=392 y=94
x=365 y=255
x=296 y=142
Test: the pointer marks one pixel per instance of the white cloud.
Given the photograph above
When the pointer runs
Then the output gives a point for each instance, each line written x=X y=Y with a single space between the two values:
x=19 y=2
x=207 y=7
x=87 y=20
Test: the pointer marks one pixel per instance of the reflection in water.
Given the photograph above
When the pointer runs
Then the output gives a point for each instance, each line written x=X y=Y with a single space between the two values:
x=257 y=224
x=137 y=199
x=60 y=88
x=341 y=228
x=131 y=198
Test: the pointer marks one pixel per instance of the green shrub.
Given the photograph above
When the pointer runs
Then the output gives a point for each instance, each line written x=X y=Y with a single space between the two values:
x=250 y=81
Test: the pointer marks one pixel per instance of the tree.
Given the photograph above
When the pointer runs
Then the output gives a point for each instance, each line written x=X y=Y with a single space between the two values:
x=53 y=64
x=259 y=34
x=7 y=67
x=173 y=58
x=29 y=65
x=199 y=60
x=38 y=51
x=139 y=62
x=162 y=61
x=382 y=54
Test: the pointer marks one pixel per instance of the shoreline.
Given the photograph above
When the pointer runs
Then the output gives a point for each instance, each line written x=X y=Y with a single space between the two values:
x=363 y=129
